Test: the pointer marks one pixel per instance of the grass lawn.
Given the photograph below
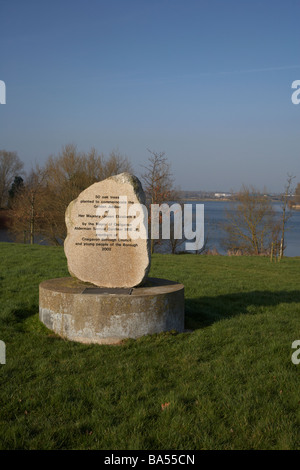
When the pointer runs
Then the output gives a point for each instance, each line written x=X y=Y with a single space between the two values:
x=230 y=383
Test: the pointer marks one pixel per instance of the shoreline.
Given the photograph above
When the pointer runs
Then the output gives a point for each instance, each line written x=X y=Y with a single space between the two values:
x=194 y=199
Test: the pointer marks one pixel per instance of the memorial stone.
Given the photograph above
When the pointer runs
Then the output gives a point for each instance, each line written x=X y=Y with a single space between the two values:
x=106 y=300
x=107 y=243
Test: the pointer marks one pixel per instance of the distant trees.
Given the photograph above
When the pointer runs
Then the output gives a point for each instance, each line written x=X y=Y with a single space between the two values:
x=38 y=201
x=10 y=166
x=15 y=188
x=297 y=195
x=70 y=173
x=40 y=205
x=28 y=207
x=251 y=225
x=67 y=174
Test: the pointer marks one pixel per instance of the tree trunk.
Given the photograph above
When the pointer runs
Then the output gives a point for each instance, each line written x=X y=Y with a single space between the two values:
x=32 y=222
x=282 y=234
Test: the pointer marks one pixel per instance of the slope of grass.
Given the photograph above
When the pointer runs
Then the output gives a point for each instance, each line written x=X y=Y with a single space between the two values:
x=229 y=384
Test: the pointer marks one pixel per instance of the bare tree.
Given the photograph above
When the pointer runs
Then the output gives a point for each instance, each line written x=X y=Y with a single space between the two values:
x=158 y=183
x=28 y=210
x=68 y=174
x=251 y=225
x=286 y=213
x=115 y=164
x=157 y=178
x=175 y=243
x=10 y=166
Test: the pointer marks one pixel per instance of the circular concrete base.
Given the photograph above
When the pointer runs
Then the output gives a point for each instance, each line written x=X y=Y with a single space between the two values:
x=83 y=312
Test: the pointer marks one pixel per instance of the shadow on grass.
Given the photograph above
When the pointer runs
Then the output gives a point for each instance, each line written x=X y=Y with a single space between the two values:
x=22 y=314
x=204 y=311
x=17 y=315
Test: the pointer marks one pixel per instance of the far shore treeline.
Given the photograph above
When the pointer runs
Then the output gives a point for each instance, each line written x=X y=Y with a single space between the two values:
x=33 y=204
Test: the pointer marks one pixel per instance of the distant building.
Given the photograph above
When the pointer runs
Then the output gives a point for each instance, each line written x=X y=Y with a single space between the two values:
x=222 y=195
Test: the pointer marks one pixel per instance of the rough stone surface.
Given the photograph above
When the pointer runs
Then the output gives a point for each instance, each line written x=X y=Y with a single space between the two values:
x=81 y=312
x=111 y=262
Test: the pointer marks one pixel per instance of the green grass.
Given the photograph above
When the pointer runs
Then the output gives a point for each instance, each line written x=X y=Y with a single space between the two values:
x=230 y=382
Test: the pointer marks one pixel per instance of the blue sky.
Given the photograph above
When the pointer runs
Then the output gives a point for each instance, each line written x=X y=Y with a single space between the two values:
x=208 y=82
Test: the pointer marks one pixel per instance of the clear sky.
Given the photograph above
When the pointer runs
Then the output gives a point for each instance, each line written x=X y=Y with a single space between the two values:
x=207 y=81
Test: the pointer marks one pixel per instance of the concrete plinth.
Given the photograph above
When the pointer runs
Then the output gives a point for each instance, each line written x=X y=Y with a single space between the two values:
x=82 y=312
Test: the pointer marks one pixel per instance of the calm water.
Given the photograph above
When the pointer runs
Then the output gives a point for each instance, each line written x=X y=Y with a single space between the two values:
x=214 y=214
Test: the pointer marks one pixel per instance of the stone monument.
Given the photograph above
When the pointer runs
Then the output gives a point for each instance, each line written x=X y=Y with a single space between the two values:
x=107 y=261
x=109 y=297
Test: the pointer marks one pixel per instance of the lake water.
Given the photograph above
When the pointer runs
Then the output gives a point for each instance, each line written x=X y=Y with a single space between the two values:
x=215 y=216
